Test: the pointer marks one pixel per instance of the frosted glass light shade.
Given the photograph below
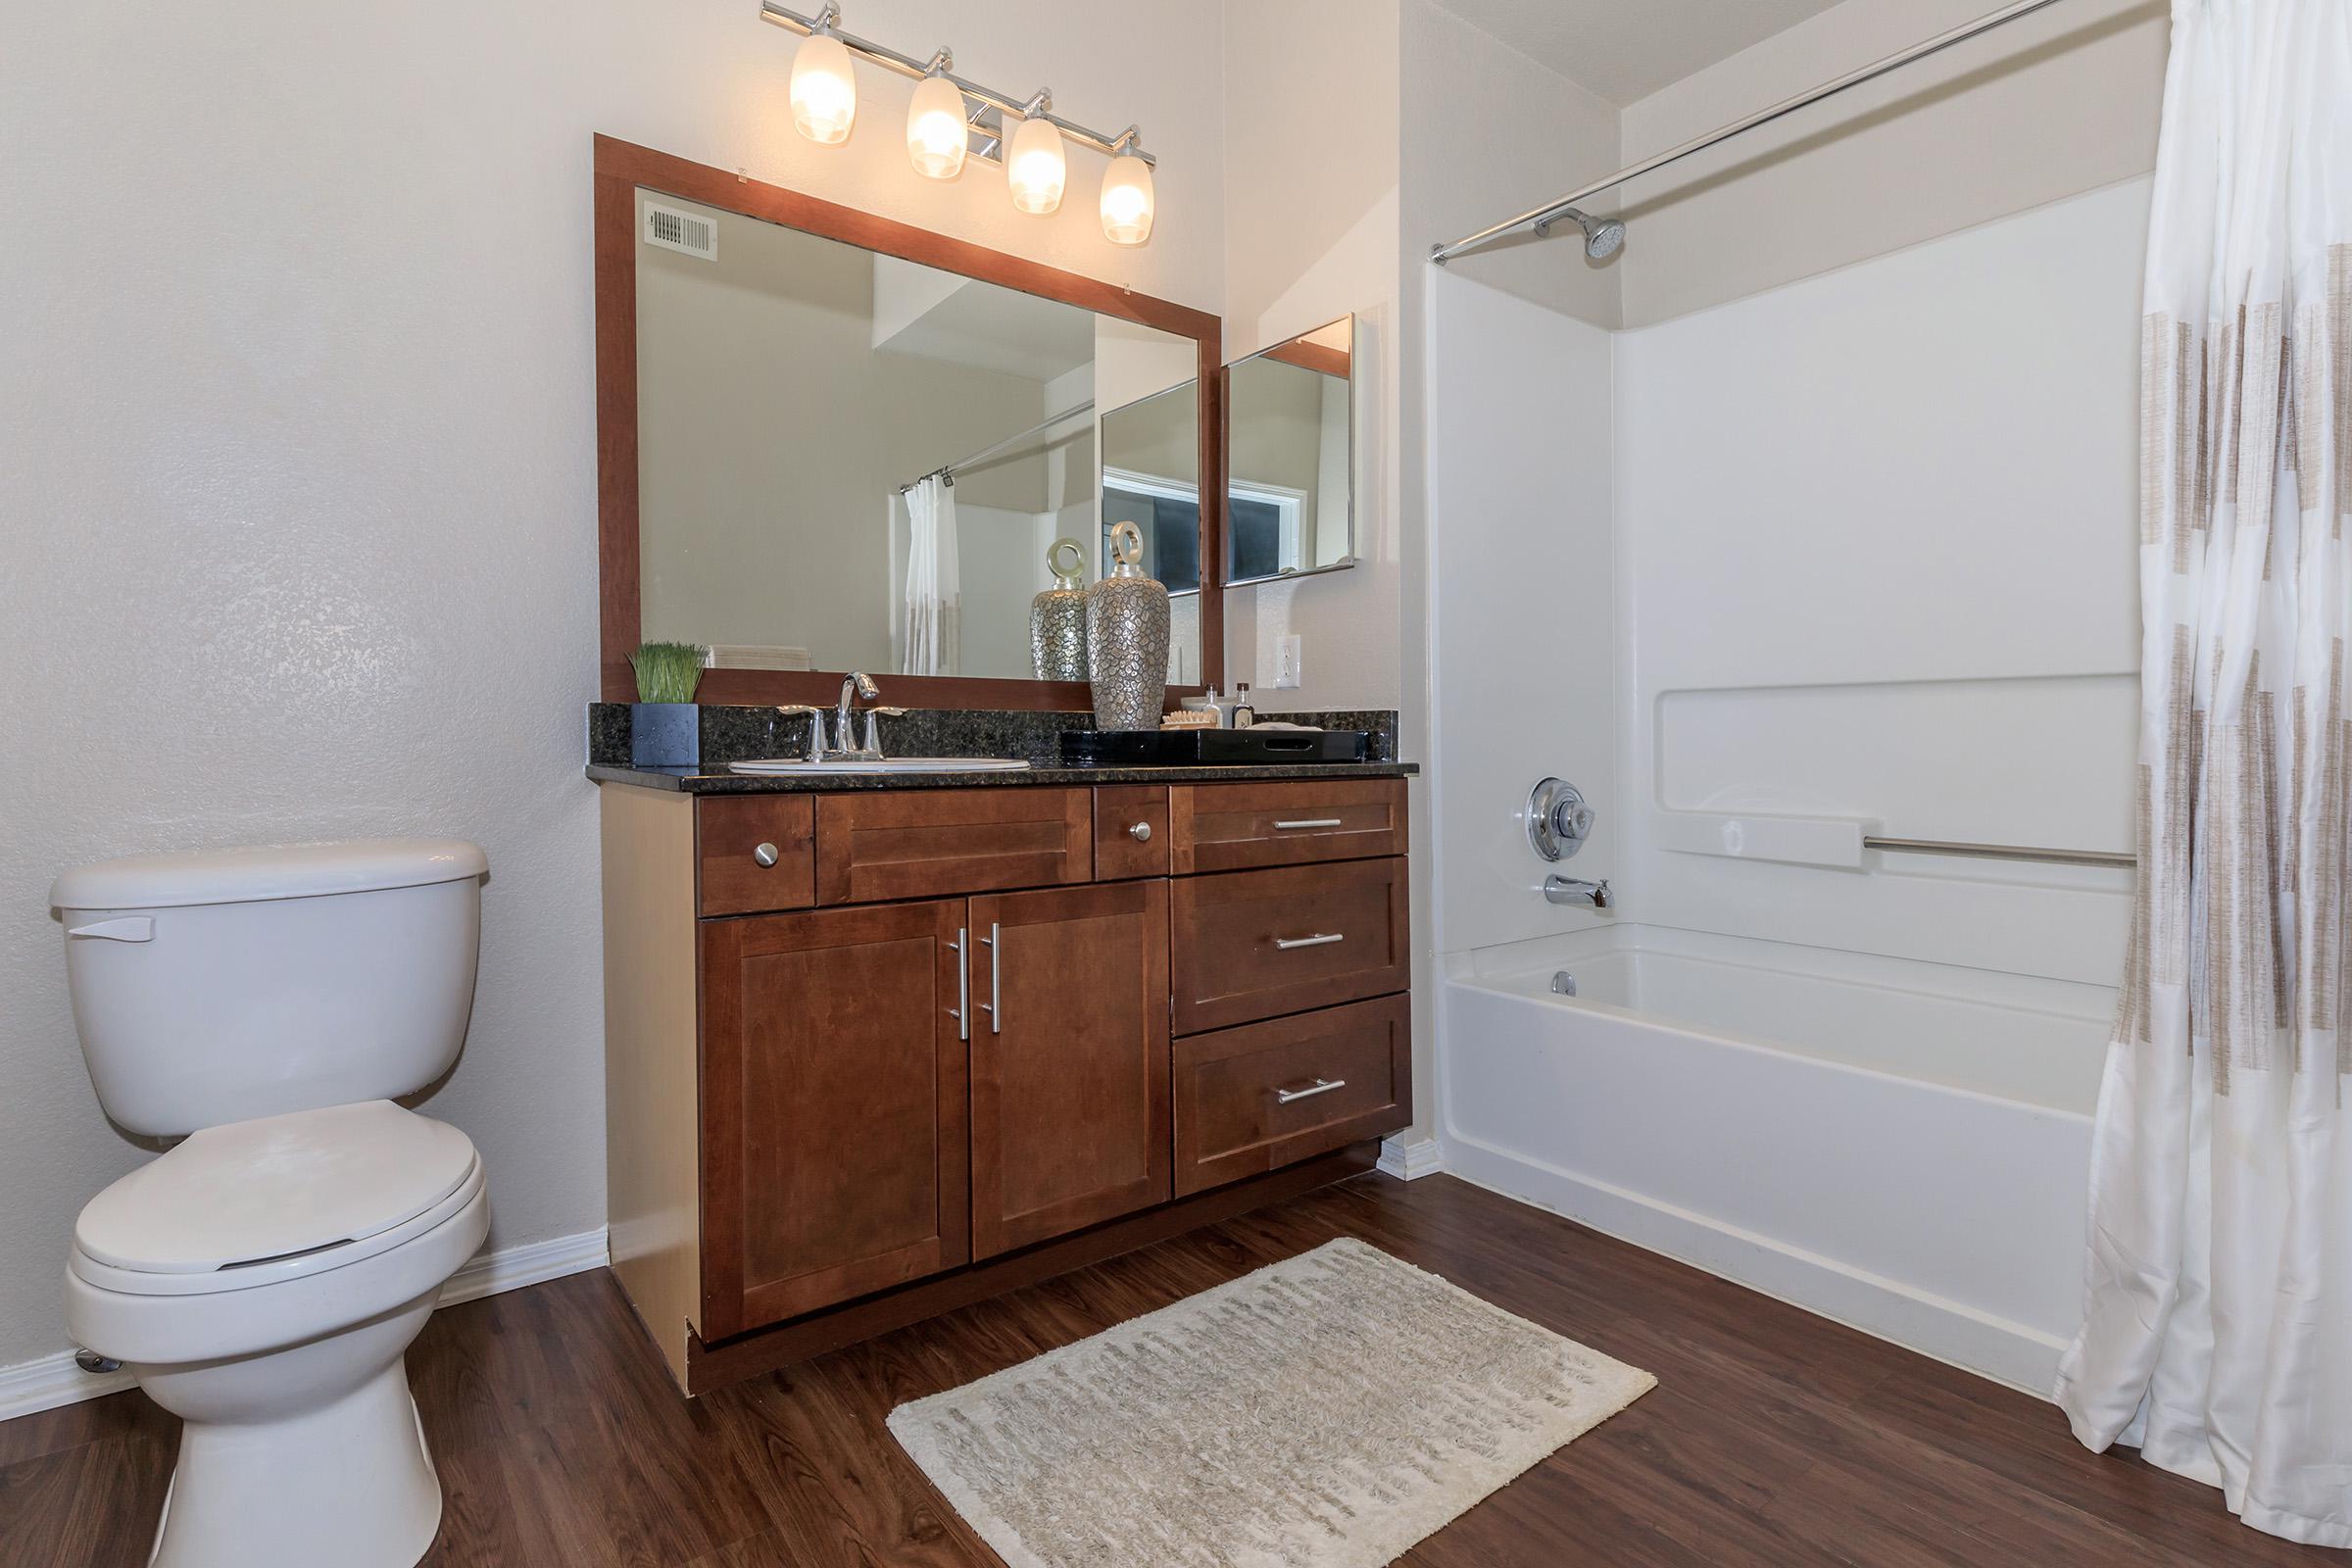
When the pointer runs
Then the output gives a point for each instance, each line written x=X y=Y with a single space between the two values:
x=825 y=93
x=1127 y=202
x=935 y=128
x=1035 y=167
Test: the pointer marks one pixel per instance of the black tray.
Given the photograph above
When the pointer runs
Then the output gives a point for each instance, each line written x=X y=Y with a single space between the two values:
x=1200 y=748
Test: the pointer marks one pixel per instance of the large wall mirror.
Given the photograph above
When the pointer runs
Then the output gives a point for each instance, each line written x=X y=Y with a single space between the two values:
x=833 y=442
x=1290 y=487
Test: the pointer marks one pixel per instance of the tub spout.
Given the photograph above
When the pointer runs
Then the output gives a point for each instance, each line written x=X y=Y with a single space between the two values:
x=1575 y=890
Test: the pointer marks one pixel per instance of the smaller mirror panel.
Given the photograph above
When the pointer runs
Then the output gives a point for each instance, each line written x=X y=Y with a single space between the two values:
x=1289 y=493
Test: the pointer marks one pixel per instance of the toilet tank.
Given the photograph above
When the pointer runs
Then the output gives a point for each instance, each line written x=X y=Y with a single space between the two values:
x=226 y=984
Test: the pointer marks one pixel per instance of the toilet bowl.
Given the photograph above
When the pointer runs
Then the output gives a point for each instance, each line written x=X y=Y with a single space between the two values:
x=263 y=1278
x=263 y=1281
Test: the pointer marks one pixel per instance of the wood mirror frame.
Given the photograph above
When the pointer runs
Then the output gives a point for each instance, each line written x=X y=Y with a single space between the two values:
x=622 y=167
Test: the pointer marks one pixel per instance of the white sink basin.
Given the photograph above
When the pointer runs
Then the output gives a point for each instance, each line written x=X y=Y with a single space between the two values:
x=889 y=764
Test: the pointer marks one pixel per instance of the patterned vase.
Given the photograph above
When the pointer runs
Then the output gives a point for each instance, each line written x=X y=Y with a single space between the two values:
x=1127 y=638
x=1058 y=616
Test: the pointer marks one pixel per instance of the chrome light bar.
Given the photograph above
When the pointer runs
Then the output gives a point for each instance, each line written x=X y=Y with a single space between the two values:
x=987 y=122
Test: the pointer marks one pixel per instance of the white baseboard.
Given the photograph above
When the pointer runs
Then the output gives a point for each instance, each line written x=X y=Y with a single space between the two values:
x=49 y=1381
x=2009 y=1352
x=511 y=1268
x=1410 y=1162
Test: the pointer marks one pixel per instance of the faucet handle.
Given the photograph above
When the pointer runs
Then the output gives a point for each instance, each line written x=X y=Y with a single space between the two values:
x=816 y=727
x=873 y=729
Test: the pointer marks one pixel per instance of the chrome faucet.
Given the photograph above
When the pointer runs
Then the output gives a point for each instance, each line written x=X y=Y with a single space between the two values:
x=1576 y=890
x=856 y=684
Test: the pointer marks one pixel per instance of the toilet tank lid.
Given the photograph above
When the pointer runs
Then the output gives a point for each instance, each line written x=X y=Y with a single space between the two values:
x=258 y=872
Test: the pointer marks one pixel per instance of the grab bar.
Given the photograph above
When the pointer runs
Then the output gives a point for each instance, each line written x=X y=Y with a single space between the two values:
x=2004 y=851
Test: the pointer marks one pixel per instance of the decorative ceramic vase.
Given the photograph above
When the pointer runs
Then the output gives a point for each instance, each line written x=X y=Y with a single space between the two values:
x=1127 y=638
x=1058 y=616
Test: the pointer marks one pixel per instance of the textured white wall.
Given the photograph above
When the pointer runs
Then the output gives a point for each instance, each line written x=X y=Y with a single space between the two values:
x=299 y=537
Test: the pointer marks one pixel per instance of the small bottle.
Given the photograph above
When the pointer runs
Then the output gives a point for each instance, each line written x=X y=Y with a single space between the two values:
x=1243 y=715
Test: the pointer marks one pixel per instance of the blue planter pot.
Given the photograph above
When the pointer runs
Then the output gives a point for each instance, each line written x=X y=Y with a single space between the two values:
x=665 y=735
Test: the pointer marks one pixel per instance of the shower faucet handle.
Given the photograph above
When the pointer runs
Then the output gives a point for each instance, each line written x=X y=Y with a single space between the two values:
x=1559 y=819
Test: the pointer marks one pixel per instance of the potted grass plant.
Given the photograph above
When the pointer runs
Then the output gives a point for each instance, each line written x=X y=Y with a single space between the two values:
x=664 y=730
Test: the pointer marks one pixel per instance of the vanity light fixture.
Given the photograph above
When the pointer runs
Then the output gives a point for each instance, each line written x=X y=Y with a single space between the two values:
x=1034 y=165
x=952 y=120
x=1127 y=199
x=936 y=129
x=824 y=88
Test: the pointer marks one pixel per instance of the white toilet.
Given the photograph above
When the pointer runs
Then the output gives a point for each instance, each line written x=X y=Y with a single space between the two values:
x=263 y=1278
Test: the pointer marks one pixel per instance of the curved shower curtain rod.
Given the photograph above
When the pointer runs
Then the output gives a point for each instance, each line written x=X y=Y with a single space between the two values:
x=1541 y=218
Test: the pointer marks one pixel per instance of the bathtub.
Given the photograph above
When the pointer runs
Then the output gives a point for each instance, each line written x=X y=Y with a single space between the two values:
x=1898 y=1146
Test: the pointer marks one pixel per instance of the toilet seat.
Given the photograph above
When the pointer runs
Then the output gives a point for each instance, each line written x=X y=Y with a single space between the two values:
x=279 y=1198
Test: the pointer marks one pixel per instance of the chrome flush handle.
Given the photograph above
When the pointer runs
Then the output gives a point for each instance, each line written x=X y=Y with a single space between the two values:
x=994 y=1006
x=962 y=1011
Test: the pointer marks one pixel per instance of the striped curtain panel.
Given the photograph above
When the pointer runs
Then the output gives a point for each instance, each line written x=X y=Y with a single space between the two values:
x=2218 y=1313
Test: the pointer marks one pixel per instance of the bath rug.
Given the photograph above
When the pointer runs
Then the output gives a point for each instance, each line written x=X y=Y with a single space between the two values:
x=1326 y=1412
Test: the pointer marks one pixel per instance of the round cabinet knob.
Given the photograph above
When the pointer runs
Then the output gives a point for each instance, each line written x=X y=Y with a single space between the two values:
x=765 y=854
x=1141 y=832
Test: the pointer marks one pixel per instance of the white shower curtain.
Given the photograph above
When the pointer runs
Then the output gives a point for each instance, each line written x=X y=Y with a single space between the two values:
x=2217 y=1310
x=931 y=635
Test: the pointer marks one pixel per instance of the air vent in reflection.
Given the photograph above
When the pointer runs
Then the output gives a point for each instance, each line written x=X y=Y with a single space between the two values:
x=677 y=230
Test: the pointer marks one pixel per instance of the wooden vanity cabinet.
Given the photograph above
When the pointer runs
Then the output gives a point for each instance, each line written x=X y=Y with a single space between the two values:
x=871 y=1055
x=834 y=1108
x=1069 y=1061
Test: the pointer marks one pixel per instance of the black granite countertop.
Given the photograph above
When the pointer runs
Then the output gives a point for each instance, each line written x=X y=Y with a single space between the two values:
x=716 y=779
x=728 y=734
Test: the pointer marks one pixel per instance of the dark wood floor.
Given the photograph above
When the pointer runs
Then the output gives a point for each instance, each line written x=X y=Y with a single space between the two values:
x=1773 y=1436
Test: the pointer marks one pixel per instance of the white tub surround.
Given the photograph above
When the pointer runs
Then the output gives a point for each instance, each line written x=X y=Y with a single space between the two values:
x=1896 y=1145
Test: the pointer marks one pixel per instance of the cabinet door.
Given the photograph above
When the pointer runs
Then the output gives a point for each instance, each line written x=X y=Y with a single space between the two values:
x=834 y=1148
x=1069 y=1061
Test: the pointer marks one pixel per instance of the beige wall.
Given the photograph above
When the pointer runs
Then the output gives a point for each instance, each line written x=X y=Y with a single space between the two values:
x=2059 y=103
x=1312 y=221
x=301 y=533
x=1489 y=134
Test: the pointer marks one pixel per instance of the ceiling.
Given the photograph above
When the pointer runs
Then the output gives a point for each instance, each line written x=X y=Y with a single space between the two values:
x=1627 y=49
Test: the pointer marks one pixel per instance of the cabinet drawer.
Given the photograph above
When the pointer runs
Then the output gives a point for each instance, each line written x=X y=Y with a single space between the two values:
x=1131 y=831
x=923 y=844
x=735 y=833
x=1248 y=1099
x=1250 y=945
x=1232 y=827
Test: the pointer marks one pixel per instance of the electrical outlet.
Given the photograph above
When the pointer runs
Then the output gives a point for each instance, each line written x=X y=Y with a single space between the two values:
x=1286 y=663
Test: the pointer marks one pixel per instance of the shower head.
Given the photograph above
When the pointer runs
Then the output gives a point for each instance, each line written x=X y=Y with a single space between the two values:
x=1604 y=237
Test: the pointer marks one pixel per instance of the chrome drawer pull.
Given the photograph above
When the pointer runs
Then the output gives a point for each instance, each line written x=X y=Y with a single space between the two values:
x=1307 y=823
x=1322 y=939
x=962 y=1011
x=994 y=1006
x=1321 y=1086
x=765 y=854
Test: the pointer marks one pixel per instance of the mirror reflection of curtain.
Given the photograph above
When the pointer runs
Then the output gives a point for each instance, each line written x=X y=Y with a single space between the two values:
x=934 y=582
